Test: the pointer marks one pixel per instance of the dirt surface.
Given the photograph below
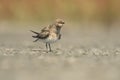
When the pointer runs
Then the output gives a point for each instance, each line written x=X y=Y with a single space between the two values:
x=80 y=55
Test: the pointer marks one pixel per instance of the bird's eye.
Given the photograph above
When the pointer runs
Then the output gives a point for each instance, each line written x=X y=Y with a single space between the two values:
x=63 y=22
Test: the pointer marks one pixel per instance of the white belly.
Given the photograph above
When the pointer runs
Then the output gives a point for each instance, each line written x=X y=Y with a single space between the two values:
x=50 y=40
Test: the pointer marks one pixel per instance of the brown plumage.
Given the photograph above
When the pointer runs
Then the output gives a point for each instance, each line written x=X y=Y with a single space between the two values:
x=50 y=34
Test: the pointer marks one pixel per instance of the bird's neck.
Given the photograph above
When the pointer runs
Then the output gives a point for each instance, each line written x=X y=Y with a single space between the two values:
x=56 y=28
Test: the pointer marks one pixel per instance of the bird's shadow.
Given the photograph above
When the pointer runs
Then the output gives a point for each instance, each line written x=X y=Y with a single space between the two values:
x=39 y=50
x=44 y=51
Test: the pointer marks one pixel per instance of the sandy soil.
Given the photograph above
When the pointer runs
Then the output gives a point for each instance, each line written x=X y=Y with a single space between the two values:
x=81 y=54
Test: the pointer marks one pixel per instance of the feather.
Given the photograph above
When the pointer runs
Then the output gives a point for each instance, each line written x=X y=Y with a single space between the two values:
x=34 y=32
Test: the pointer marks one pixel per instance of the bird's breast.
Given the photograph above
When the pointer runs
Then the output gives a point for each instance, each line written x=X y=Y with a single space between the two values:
x=53 y=37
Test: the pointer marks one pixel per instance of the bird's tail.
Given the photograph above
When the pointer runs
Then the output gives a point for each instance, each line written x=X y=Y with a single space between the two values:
x=36 y=36
x=34 y=32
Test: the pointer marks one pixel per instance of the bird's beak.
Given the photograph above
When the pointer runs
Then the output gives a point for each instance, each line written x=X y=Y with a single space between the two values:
x=63 y=22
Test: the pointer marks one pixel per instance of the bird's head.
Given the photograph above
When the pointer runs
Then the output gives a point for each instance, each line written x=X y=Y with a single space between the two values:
x=59 y=22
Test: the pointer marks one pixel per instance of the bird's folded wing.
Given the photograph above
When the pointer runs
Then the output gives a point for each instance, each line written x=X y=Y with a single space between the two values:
x=44 y=34
x=45 y=29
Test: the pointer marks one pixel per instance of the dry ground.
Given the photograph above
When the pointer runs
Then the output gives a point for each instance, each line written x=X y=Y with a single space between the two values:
x=81 y=54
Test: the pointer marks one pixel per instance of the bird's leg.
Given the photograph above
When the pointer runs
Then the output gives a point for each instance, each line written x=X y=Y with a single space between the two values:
x=46 y=46
x=49 y=47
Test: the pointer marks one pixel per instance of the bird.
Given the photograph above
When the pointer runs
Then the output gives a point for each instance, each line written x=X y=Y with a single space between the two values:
x=49 y=34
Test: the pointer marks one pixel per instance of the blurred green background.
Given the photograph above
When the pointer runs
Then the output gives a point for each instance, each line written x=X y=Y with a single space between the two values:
x=73 y=10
